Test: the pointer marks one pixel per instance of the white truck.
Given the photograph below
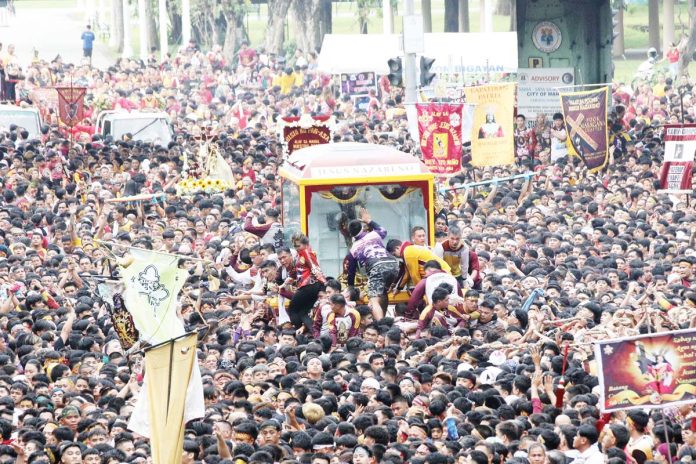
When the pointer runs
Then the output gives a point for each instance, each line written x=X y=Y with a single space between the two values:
x=146 y=126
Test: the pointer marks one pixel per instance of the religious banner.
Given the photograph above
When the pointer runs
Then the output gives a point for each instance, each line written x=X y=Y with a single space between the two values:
x=492 y=134
x=111 y=294
x=439 y=132
x=305 y=131
x=680 y=146
x=585 y=115
x=647 y=371
x=71 y=104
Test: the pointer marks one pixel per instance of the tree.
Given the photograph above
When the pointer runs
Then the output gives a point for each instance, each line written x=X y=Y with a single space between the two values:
x=153 y=40
x=117 y=12
x=233 y=12
x=310 y=16
x=654 y=24
x=451 y=15
x=687 y=53
x=275 y=29
x=326 y=18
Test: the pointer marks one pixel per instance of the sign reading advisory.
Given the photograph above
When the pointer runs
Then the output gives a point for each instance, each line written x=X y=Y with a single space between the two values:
x=537 y=91
x=647 y=371
x=680 y=146
x=492 y=135
x=440 y=130
x=585 y=115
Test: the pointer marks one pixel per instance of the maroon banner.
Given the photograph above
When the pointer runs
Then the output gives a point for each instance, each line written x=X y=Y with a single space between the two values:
x=440 y=129
x=647 y=371
x=301 y=137
x=71 y=104
x=585 y=115
x=680 y=146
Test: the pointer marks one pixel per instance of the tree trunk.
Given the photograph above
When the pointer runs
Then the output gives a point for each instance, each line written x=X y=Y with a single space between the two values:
x=234 y=35
x=153 y=40
x=513 y=15
x=618 y=47
x=464 y=16
x=654 y=24
x=688 y=51
x=503 y=7
x=275 y=29
x=427 y=12
x=311 y=15
x=326 y=19
x=451 y=15
x=118 y=24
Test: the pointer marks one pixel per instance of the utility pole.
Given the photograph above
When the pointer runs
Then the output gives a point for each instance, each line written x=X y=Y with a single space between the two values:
x=410 y=63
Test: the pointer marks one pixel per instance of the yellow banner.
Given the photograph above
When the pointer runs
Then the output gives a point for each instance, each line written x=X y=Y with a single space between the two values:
x=168 y=368
x=492 y=134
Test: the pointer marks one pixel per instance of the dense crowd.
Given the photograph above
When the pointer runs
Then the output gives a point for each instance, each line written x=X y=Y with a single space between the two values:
x=467 y=371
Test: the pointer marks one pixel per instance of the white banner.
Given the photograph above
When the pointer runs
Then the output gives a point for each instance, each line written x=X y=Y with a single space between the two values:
x=537 y=91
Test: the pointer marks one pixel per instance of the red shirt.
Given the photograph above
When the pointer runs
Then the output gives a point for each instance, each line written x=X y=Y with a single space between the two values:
x=307 y=268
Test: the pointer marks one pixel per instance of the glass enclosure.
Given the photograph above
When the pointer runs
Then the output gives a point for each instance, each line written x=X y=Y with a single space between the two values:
x=395 y=207
x=291 y=210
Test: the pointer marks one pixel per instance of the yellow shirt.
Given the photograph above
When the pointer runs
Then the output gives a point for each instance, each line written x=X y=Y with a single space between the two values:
x=415 y=258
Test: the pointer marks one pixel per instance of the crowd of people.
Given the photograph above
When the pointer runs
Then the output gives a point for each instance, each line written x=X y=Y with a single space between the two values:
x=466 y=371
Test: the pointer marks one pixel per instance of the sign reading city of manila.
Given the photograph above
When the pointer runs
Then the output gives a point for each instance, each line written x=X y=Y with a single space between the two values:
x=585 y=115
x=680 y=146
x=537 y=91
x=492 y=136
x=305 y=131
x=647 y=371
x=440 y=130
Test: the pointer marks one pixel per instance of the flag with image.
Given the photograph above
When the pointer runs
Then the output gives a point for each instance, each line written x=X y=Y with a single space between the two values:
x=152 y=282
x=585 y=116
x=111 y=293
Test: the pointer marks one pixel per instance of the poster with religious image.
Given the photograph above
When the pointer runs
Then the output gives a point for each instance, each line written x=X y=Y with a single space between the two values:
x=492 y=134
x=647 y=371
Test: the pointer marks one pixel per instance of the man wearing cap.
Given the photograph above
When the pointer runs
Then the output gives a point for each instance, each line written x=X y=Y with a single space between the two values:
x=368 y=252
x=69 y=417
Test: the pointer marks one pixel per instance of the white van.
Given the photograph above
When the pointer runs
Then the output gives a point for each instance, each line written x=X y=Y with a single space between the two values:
x=145 y=126
x=26 y=118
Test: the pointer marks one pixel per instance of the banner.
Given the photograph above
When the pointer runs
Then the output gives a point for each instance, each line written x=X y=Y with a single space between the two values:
x=492 y=134
x=111 y=294
x=647 y=371
x=168 y=369
x=680 y=145
x=152 y=283
x=585 y=115
x=301 y=137
x=537 y=91
x=358 y=84
x=305 y=131
x=71 y=104
x=439 y=132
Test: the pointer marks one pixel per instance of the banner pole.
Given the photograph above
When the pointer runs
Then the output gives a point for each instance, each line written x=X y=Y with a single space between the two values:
x=490 y=181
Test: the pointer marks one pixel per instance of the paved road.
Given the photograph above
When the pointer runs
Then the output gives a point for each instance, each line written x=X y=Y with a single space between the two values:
x=51 y=32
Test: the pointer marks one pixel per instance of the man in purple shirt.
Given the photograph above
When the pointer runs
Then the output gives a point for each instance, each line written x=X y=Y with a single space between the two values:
x=368 y=252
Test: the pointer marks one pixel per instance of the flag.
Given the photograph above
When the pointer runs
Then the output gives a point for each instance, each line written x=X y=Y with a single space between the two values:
x=585 y=115
x=680 y=146
x=152 y=282
x=111 y=294
x=492 y=135
x=165 y=367
x=439 y=130
x=71 y=104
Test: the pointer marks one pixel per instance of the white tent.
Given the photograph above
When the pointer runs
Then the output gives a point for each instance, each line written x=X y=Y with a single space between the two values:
x=468 y=53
